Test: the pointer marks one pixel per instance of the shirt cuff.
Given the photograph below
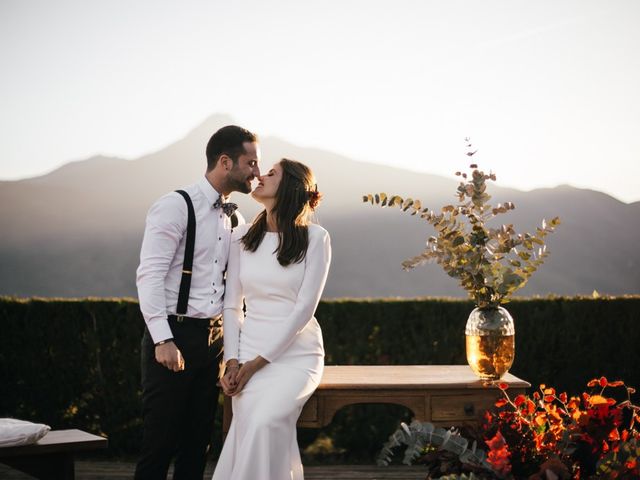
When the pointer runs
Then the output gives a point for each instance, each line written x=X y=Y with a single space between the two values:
x=159 y=329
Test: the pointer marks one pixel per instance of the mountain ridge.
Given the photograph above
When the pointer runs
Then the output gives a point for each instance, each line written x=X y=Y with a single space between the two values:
x=77 y=230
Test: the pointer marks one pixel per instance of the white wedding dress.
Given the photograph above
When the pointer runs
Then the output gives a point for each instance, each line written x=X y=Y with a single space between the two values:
x=279 y=326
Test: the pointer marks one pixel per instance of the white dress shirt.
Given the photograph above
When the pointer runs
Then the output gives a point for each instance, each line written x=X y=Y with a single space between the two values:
x=162 y=256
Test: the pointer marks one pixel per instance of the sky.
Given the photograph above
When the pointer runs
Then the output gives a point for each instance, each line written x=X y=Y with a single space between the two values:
x=546 y=90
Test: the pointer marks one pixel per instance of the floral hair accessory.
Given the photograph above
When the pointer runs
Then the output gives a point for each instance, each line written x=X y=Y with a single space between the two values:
x=314 y=197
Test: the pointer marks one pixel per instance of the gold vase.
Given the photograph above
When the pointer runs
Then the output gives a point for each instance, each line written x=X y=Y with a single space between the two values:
x=490 y=342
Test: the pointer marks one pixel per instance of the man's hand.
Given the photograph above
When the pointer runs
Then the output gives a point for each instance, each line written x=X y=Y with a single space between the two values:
x=246 y=372
x=168 y=355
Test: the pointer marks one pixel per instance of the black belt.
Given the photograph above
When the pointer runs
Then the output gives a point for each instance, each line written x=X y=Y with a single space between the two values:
x=203 y=322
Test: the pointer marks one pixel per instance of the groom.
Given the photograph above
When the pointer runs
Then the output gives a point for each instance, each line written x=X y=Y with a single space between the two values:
x=180 y=284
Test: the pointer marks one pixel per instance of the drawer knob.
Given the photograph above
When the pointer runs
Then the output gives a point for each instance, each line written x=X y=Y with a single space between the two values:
x=469 y=409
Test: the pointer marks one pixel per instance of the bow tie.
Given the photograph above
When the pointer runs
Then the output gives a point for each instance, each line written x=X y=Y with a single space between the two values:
x=228 y=208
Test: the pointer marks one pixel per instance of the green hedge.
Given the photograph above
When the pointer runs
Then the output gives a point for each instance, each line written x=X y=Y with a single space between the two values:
x=75 y=363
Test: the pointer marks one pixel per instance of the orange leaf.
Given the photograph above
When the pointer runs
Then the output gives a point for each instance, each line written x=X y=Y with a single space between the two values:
x=614 y=435
x=548 y=398
x=563 y=397
x=592 y=383
x=617 y=383
x=519 y=400
x=603 y=382
x=503 y=385
x=549 y=391
x=598 y=400
x=501 y=402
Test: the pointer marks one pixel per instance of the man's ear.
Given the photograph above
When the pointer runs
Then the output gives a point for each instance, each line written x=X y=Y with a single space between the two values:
x=226 y=161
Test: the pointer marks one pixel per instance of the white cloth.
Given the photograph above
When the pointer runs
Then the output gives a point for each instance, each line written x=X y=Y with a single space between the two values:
x=162 y=256
x=279 y=326
x=14 y=433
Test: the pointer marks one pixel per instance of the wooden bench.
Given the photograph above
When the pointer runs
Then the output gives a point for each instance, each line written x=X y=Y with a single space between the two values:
x=52 y=456
x=446 y=395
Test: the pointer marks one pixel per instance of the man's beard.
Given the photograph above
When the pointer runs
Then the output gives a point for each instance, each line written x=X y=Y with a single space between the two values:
x=239 y=185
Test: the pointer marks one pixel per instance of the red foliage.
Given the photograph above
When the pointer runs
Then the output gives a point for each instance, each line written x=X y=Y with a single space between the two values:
x=575 y=432
x=498 y=455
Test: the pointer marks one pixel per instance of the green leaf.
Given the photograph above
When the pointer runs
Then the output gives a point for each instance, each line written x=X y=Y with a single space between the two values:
x=459 y=240
x=524 y=255
x=395 y=200
x=406 y=204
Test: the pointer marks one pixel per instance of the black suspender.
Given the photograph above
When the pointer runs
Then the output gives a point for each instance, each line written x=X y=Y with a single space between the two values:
x=187 y=265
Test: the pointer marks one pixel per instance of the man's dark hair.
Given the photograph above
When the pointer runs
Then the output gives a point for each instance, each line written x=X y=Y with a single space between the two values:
x=228 y=140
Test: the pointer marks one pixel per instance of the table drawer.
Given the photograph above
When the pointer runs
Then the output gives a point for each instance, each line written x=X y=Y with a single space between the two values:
x=459 y=407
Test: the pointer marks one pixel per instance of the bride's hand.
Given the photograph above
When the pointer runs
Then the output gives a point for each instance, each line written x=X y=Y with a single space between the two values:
x=229 y=380
x=246 y=372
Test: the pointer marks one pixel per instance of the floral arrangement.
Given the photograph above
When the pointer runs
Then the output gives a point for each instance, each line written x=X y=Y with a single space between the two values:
x=490 y=262
x=540 y=437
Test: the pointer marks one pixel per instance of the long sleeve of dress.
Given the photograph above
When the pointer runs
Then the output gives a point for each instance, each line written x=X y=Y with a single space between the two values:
x=232 y=315
x=317 y=261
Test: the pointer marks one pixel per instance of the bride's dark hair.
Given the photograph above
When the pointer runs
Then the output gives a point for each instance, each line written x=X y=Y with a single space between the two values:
x=296 y=198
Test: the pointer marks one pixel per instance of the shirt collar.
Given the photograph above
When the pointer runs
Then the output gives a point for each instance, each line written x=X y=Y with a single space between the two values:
x=209 y=192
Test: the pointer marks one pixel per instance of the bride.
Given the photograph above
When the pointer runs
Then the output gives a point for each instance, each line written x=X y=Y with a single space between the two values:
x=274 y=355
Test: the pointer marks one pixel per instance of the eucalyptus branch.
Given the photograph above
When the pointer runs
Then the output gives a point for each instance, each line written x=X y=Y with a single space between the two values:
x=419 y=435
x=490 y=263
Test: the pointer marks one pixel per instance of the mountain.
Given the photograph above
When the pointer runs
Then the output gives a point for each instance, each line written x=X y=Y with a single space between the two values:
x=77 y=231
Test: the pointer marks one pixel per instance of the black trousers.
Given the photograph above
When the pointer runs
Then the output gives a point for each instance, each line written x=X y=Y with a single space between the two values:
x=179 y=407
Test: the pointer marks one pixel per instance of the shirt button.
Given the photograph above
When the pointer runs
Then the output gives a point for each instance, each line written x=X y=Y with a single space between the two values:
x=219 y=238
x=214 y=291
x=211 y=302
x=215 y=261
x=214 y=284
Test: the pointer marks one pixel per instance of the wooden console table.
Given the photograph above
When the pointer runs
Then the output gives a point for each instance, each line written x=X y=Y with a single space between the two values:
x=52 y=456
x=445 y=395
